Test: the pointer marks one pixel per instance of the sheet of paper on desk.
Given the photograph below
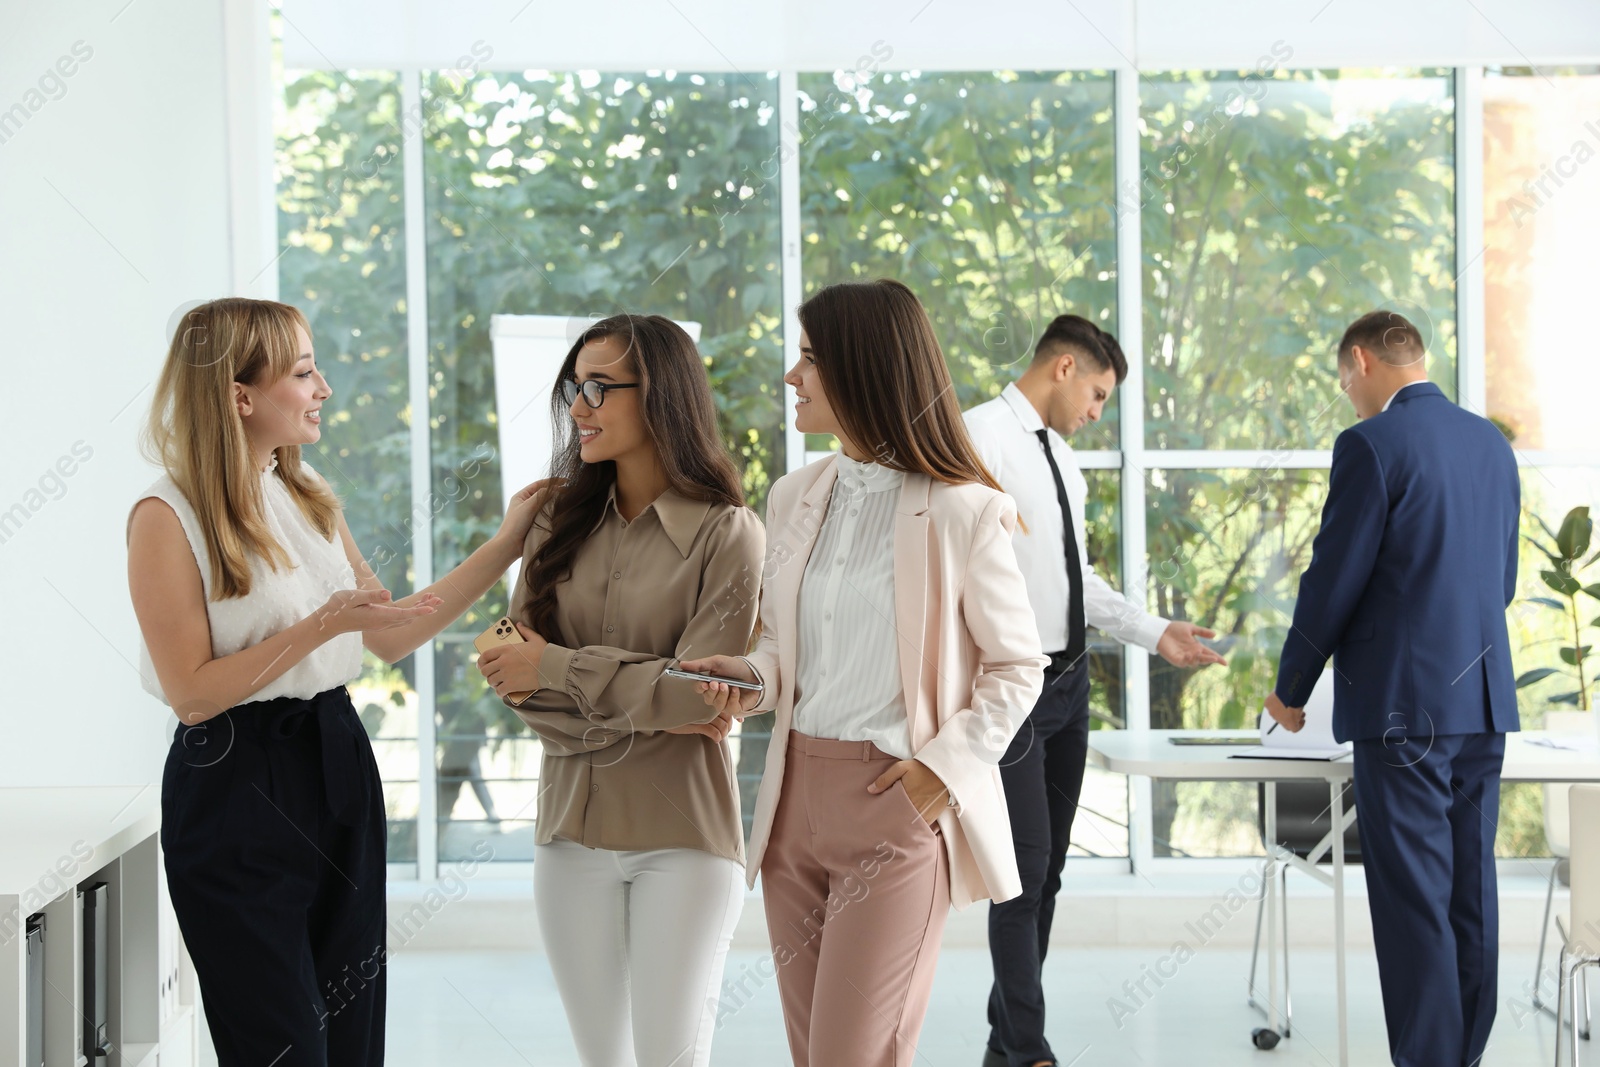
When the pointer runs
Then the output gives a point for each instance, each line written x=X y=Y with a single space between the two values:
x=1573 y=743
x=1313 y=741
x=1283 y=752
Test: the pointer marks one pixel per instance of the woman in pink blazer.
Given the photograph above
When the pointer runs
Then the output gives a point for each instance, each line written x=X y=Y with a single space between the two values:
x=900 y=654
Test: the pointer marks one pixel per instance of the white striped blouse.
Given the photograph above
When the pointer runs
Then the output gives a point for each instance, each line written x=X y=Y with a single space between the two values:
x=847 y=679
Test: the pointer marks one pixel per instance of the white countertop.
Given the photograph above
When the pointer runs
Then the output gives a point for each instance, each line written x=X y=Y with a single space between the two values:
x=1153 y=754
x=67 y=833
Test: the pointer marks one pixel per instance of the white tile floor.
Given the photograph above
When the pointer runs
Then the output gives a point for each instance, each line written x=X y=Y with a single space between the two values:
x=500 y=1009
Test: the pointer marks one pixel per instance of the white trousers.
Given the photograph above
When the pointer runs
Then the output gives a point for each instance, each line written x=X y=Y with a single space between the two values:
x=637 y=941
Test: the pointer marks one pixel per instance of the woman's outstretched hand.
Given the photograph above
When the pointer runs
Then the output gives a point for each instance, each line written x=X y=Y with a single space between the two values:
x=524 y=508
x=367 y=610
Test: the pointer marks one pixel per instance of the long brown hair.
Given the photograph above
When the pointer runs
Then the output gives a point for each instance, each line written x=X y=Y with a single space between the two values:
x=195 y=433
x=887 y=381
x=681 y=420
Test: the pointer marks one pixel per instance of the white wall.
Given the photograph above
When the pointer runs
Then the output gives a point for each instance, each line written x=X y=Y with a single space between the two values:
x=114 y=209
x=721 y=35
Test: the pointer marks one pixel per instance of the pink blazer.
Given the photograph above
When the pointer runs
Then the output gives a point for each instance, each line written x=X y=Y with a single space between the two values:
x=970 y=659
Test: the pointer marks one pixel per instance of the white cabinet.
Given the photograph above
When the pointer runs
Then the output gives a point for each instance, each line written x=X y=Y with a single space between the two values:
x=56 y=840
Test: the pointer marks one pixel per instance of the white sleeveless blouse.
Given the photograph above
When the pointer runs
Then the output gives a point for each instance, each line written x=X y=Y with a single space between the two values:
x=277 y=599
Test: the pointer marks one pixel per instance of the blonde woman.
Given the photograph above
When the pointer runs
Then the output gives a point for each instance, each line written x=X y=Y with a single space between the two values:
x=254 y=604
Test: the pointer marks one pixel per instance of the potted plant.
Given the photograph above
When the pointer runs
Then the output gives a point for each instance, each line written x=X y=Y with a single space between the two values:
x=1564 y=579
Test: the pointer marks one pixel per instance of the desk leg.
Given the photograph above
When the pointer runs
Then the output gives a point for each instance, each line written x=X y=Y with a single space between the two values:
x=1336 y=788
x=1268 y=1036
x=1272 y=905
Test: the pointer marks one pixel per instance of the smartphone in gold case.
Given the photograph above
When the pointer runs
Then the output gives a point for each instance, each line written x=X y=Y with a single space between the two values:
x=503 y=632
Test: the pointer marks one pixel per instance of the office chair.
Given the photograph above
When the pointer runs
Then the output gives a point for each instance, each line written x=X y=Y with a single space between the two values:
x=1581 y=949
x=1557 y=834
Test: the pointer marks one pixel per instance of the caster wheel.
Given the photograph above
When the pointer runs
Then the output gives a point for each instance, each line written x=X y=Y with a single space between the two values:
x=1263 y=1038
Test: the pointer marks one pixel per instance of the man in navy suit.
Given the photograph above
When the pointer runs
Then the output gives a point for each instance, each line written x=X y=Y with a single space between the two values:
x=1409 y=580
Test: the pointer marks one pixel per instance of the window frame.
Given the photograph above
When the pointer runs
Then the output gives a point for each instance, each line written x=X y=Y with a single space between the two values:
x=1133 y=458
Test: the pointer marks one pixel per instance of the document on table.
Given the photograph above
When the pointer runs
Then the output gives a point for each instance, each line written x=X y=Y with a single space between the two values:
x=1574 y=743
x=1284 y=752
x=1313 y=741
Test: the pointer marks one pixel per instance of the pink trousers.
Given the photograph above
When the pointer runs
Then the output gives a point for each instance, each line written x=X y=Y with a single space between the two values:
x=857 y=889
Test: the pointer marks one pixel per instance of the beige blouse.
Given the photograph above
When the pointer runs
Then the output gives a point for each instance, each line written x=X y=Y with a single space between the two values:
x=681 y=581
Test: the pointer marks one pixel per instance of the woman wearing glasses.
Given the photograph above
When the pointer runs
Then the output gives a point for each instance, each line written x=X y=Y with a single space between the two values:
x=647 y=555
x=900 y=653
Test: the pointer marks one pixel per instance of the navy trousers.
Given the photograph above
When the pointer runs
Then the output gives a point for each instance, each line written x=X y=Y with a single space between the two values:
x=1428 y=811
x=272 y=824
x=1043 y=776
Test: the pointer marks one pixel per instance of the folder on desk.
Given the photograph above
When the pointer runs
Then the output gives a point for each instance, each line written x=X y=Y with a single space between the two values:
x=1313 y=741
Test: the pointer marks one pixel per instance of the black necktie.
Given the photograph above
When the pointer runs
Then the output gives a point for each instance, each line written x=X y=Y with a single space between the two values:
x=1075 y=639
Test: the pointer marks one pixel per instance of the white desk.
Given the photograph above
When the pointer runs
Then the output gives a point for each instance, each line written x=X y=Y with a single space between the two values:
x=1152 y=753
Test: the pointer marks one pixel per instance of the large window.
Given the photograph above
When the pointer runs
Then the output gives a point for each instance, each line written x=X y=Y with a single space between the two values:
x=1541 y=212
x=1101 y=825
x=341 y=220
x=990 y=194
x=1276 y=209
x=1226 y=550
x=1274 y=206
x=1541 y=216
x=583 y=194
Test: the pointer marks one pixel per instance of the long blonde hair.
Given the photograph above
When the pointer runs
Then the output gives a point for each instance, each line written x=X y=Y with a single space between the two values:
x=195 y=432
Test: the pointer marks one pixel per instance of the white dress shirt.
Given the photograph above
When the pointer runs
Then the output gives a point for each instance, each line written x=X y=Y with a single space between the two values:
x=1397 y=392
x=847 y=677
x=1005 y=431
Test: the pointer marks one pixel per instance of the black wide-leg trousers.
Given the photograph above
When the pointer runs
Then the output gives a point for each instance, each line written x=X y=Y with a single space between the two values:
x=272 y=824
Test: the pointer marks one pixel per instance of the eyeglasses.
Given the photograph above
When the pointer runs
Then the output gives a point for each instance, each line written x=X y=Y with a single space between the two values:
x=593 y=390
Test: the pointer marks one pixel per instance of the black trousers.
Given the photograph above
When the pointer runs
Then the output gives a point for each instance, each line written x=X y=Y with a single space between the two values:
x=273 y=827
x=1043 y=775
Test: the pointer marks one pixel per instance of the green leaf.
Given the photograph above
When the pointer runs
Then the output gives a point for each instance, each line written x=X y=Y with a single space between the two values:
x=1545 y=526
x=1565 y=584
x=1547 y=602
x=1593 y=590
x=1554 y=557
x=1571 y=656
x=1565 y=698
x=1538 y=674
x=1576 y=528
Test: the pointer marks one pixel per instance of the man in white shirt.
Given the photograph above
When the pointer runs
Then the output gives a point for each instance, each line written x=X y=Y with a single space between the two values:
x=1019 y=435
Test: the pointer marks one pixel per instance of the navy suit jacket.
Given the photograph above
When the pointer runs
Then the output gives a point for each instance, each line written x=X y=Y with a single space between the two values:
x=1411 y=575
